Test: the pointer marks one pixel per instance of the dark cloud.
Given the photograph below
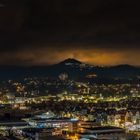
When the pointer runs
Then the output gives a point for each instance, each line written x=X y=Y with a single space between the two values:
x=31 y=26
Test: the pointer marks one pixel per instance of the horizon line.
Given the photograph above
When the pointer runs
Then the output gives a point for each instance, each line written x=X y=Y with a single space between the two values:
x=47 y=64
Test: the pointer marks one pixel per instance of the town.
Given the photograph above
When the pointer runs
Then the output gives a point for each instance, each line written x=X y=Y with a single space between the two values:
x=68 y=109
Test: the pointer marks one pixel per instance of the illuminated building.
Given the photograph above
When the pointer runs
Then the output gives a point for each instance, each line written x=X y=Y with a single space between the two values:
x=63 y=76
x=62 y=123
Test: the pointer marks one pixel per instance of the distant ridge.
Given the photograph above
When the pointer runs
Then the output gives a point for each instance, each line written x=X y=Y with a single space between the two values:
x=75 y=69
x=70 y=60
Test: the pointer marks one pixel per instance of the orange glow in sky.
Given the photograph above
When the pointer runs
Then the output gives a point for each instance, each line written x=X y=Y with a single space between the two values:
x=93 y=56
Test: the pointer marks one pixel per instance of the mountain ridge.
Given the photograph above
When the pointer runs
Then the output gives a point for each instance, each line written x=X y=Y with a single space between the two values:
x=76 y=70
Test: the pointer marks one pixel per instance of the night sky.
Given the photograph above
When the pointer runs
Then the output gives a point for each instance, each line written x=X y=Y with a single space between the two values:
x=41 y=32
